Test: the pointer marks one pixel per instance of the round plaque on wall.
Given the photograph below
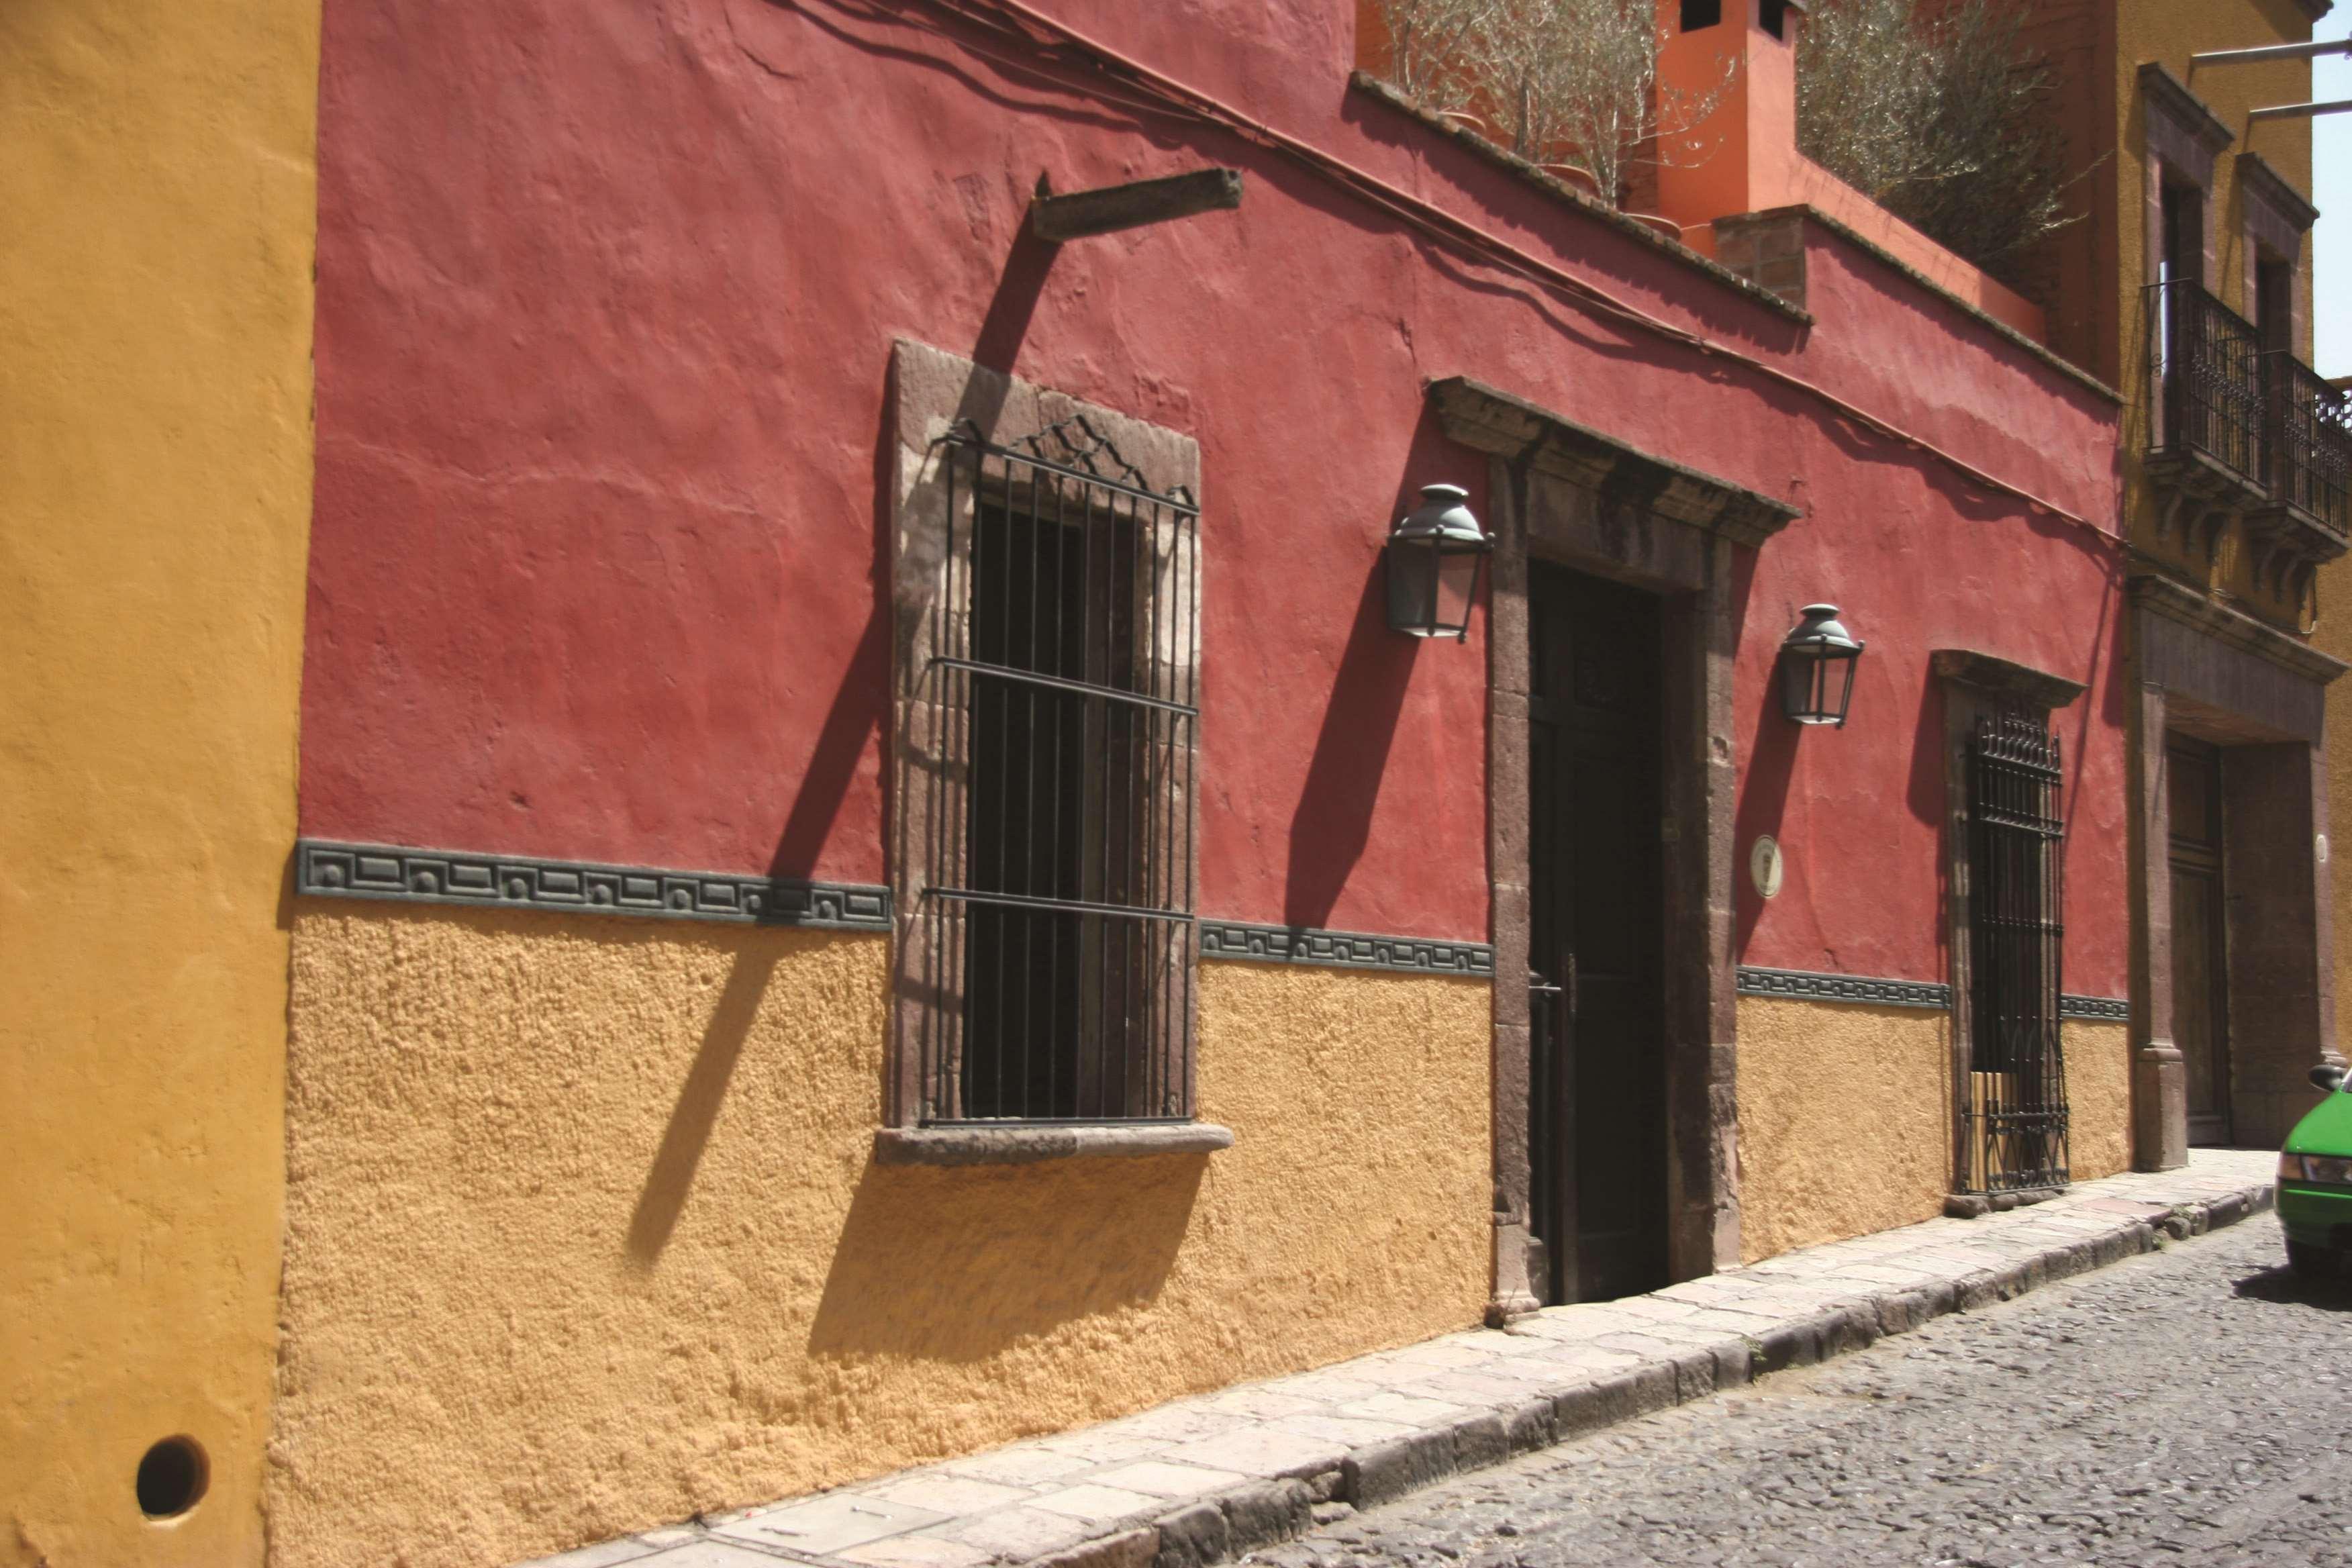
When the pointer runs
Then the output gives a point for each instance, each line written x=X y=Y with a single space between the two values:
x=1764 y=864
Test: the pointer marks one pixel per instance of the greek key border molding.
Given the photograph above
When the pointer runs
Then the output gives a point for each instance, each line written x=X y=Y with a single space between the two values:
x=327 y=869
x=1814 y=987
x=1345 y=949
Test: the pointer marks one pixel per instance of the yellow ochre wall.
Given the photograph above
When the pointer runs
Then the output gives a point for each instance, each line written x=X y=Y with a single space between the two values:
x=156 y=175
x=2099 y=1097
x=1845 y=1117
x=2170 y=31
x=583 y=1234
x=2334 y=635
x=1844 y=1120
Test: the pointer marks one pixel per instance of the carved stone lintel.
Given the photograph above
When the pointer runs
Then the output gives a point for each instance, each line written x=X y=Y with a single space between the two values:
x=2232 y=628
x=1993 y=673
x=1490 y=420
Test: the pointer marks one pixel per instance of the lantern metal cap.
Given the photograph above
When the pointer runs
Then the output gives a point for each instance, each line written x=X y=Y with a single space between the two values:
x=1442 y=518
x=1818 y=634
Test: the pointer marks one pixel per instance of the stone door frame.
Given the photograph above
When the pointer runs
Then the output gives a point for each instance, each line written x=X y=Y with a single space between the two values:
x=1571 y=495
x=2206 y=671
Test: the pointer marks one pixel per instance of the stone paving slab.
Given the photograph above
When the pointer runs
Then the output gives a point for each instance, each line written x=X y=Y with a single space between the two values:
x=1204 y=1479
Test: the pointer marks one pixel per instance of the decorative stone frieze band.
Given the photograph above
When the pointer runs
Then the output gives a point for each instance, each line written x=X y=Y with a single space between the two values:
x=1343 y=949
x=333 y=871
x=1809 y=986
x=1806 y=984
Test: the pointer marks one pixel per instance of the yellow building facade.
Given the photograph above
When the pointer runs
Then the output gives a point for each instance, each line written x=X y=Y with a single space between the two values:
x=155 y=314
x=2188 y=285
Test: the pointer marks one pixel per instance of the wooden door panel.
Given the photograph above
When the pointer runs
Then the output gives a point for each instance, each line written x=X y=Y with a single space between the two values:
x=2196 y=995
x=1597 y=927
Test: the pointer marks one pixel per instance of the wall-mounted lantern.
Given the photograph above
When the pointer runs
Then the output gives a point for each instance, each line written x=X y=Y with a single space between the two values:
x=1436 y=555
x=1817 y=660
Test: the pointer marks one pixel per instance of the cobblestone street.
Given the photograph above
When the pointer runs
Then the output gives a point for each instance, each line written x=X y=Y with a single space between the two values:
x=2186 y=1406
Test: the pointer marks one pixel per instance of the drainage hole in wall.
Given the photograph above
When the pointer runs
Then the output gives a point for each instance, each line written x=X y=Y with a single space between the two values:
x=171 y=1478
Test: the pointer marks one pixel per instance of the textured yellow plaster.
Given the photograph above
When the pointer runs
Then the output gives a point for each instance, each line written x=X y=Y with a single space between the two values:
x=2099 y=1097
x=2335 y=635
x=156 y=211
x=583 y=1234
x=1844 y=1120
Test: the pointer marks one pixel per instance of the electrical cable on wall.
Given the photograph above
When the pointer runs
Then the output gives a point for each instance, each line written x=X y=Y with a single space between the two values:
x=1164 y=97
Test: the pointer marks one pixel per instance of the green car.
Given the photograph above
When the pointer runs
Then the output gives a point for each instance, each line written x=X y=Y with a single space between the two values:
x=2315 y=1181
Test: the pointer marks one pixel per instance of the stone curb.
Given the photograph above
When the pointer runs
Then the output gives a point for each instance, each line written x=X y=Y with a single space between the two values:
x=1232 y=1524
x=1645 y=1355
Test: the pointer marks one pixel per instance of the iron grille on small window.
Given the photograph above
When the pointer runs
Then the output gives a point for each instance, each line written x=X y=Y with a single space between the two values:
x=2016 y=1095
x=1062 y=954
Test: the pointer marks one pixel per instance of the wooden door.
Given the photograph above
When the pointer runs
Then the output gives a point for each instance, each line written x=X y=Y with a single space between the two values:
x=2200 y=1011
x=1598 y=1126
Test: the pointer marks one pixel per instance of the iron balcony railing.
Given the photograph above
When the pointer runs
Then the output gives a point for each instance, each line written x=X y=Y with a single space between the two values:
x=2309 y=440
x=2206 y=379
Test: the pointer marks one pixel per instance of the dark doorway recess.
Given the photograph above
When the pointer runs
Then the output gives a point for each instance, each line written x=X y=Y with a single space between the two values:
x=2200 y=965
x=1597 y=1090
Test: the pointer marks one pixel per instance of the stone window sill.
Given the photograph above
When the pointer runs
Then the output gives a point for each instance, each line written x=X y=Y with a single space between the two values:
x=1032 y=1145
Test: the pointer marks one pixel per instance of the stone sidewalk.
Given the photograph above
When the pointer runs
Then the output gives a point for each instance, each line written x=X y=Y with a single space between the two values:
x=1208 y=1478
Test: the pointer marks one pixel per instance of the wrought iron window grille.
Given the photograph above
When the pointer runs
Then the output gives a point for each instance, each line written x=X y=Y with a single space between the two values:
x=2014 y=1104
x=1059 y=928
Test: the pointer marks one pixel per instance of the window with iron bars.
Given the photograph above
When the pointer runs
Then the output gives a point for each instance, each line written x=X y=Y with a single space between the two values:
x=2014 y=1103
x=1058 y=918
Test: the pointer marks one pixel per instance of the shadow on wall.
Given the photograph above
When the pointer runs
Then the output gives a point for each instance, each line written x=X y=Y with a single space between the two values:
x=958 y=1264
x=1764 y=784
x=671 y=1177
x=1333 y=822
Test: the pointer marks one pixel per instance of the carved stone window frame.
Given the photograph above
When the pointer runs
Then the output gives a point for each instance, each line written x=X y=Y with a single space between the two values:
x=934 y=392
x=2274 y=216
x=2184 y=138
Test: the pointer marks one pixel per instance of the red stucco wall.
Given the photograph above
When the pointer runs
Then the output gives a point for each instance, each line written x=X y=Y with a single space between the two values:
x=606 y=293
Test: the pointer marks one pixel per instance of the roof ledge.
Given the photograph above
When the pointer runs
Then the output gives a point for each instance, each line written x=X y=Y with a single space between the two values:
x=1490 y=420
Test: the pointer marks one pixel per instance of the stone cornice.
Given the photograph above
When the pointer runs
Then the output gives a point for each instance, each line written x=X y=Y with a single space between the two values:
x=2169 y=95
x=2162 y=597
x=1495 y=422
x=1994 y=673
x=327 y=869
x=2267 y=185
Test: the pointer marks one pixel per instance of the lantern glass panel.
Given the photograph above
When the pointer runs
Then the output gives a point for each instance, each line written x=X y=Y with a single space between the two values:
x=1457 y=585
x=1413 y=586
x=1818 y=687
